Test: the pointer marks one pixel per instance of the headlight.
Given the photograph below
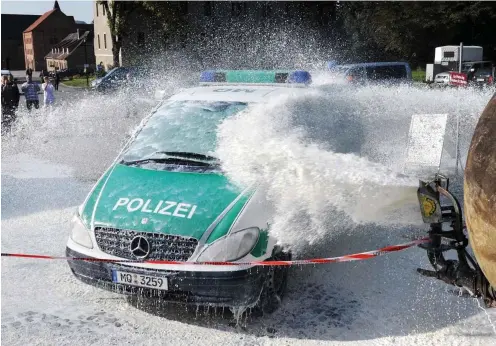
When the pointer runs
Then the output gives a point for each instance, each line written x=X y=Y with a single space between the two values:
x=80 y=233
x=232 y=247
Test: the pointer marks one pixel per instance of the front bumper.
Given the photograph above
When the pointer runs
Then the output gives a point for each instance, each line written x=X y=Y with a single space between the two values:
x=226 y=288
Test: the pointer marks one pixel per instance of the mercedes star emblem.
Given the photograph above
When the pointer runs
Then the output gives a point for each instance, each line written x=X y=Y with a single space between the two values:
x=140 y=247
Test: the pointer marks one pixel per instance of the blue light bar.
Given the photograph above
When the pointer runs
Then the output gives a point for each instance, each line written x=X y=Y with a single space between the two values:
x=301 y=77
x=256 y=77
x=212 y=77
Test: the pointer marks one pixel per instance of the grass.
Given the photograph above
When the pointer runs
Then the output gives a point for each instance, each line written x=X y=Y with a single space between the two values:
x=79 y=81
x=418 y=75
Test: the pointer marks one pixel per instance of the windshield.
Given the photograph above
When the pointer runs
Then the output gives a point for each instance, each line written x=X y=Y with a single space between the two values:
x=466 y=67
x=182 y=126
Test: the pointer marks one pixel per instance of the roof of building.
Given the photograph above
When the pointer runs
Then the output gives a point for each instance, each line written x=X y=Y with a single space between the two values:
x=39 y=20
x=67 y=46
x=44 y=16
x=14 y=24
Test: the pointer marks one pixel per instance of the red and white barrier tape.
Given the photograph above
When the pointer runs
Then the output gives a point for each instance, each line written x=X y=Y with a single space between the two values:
x=346 y=258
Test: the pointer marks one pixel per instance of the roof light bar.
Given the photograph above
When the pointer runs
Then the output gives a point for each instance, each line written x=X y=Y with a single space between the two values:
x=256 y=76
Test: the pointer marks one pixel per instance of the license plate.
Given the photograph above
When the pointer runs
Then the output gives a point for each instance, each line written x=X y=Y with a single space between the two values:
x=139 y=280
x=480 y=79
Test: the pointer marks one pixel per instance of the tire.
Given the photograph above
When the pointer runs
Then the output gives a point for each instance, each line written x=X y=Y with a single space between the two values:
x=274 y=286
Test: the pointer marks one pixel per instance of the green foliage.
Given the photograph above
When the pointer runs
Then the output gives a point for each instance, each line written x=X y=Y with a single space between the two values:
x=118 y=15
x=361 y=31
x=411 y=30
x=78 y=81
x=170 y=14
x=418 y=75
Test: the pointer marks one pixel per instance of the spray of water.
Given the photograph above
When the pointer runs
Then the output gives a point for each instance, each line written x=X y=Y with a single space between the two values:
x=328 y=159
x=331 y=158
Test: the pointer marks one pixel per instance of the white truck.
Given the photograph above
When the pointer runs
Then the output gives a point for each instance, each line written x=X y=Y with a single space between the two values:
x=447 y=58
x=450 y=55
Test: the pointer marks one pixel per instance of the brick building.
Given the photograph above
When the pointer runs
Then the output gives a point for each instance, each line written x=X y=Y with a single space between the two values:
x=45 y=32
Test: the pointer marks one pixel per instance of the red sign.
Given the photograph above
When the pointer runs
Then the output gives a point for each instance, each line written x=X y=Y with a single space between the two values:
x=458 y=79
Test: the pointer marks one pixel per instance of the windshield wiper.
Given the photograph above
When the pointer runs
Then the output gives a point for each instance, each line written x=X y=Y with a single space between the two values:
x=184 y=154
x=170 y=160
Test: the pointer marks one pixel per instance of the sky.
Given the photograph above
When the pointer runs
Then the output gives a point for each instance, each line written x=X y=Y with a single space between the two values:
x=80 y=9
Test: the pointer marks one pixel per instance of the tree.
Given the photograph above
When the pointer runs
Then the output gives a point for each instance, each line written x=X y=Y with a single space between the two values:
x=411 y=30
x=169 y=14
x=118 y=16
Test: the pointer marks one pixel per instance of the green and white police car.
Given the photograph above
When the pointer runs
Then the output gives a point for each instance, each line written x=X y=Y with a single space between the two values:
x=166 y=198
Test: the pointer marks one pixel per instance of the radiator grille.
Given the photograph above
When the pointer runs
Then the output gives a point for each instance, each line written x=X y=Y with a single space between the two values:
x=166 y=247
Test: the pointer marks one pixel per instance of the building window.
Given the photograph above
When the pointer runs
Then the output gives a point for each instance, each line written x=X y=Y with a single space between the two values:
x=105 y=41
x=103 y=10
x=96 y=9
x=99 y=41
x=207 y=9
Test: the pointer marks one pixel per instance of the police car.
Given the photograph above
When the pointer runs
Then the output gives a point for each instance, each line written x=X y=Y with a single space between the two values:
x=166 y=198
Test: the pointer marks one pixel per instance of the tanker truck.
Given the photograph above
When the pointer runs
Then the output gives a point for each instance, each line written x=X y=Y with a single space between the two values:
x=448 y=232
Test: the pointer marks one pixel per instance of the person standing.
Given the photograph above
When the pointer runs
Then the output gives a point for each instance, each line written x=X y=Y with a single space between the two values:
x=29 y=71
x=48 y=92
x=30 y=90
x=10 y=100
x=57 y=79
x=42 y=75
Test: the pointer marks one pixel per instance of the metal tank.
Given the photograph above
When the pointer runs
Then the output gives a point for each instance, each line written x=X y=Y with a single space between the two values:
x=480 y=192
x=441 y=209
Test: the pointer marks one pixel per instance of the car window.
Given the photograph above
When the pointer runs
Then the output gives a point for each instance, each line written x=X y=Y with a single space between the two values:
x=187 y=126
x=484 y=72
x=487 y=65
x=118 y=74
x=386 y=72
x=466 y=67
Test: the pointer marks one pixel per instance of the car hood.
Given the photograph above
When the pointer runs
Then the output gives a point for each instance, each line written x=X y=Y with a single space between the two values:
x=176 y=203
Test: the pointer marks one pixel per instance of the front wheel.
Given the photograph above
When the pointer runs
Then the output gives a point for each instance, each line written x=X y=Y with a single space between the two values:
x=274 y=286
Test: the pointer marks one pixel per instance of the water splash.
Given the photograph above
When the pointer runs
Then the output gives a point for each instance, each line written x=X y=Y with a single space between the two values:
x=331 y=158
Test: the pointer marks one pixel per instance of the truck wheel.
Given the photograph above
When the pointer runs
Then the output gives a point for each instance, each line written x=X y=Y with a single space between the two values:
x=274 y=286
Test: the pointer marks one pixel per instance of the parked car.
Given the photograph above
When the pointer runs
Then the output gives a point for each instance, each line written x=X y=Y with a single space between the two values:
x=442 y=79
x=483 y=77
x=115 y=78
x=479 y=73
x=374 y=72
x=166 y=198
